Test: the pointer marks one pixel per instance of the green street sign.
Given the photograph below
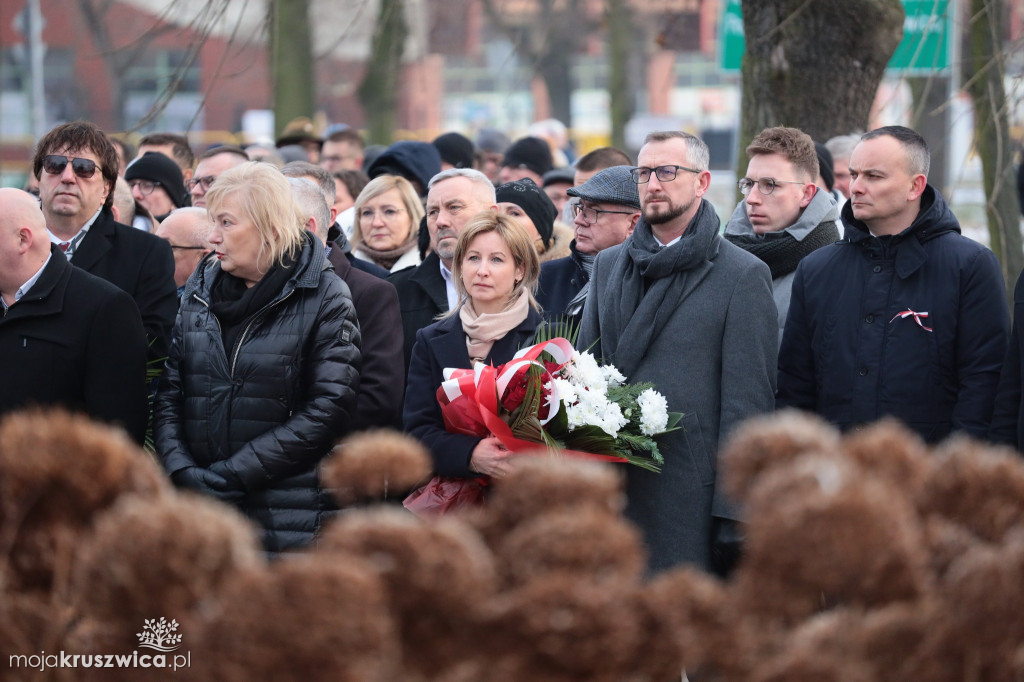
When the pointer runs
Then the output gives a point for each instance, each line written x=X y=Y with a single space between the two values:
x=925 y=48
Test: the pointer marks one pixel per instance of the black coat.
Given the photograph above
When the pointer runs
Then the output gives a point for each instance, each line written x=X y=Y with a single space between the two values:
x=382 y=379
x=138 y=263
x=560 y=280
x=265 y=418
x=1008 y=416
x=441 y=345
x=77 y=341
x=848 y=356
x=422 y=296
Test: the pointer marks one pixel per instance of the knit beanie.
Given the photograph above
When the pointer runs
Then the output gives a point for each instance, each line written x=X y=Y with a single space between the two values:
x=535 y=203
x=455 y=149
x=825 y=165
x=161 y=169
x=529 y=152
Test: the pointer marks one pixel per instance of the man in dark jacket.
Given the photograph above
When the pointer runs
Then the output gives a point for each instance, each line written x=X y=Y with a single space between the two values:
x=382 y=377
x=606 y=212
x=904 y=317
x=77 y=166
x=427 y=290
x=66 y=337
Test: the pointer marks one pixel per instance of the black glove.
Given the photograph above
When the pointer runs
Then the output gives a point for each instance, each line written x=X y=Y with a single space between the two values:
x=205 y=481
x=727 y=538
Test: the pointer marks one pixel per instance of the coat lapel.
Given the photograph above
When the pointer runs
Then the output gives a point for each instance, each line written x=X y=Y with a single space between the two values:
x=96 y=243
x=428 y=276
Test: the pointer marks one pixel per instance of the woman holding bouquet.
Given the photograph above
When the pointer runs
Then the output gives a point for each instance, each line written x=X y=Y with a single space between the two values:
x=495 y=270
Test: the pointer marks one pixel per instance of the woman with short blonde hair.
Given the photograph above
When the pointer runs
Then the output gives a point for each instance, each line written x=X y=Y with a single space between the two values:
x=264 y=364
x=385 y=228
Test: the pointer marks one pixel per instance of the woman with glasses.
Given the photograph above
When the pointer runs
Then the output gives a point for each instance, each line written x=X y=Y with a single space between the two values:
x=264 y=363
x=386 y=227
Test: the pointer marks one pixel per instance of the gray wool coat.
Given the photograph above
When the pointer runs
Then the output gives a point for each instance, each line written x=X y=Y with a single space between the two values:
x=709 y=345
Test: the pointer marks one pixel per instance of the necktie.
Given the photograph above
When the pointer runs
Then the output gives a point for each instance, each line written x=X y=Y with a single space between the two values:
x=64 y=246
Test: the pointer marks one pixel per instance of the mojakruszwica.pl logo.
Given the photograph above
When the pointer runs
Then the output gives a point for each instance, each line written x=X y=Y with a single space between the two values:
x=158 y=635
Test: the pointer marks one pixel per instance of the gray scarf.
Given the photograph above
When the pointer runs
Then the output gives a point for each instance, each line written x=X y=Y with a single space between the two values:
x=585 y=263
x=646 y=282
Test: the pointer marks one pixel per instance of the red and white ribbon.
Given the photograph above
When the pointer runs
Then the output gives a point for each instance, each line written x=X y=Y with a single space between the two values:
x=917 y=318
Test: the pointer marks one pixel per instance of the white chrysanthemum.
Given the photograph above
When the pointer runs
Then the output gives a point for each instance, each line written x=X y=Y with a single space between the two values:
x=566 y=391
x=612 y=420
x=653 y=412
x=613 y=376
x=584 y=371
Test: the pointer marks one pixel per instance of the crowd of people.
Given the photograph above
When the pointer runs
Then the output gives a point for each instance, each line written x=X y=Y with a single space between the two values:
x=273 y=300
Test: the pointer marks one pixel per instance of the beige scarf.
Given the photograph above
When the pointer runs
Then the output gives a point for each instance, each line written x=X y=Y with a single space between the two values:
x=483 y=330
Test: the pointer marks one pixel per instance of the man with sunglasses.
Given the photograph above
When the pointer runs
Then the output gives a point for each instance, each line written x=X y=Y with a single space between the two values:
x=905 y=317
x=783 y=216
x=77 y=166
x=606 y=211
x=677 y=305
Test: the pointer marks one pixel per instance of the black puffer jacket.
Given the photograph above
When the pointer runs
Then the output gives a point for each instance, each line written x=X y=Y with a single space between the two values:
x=265 y=417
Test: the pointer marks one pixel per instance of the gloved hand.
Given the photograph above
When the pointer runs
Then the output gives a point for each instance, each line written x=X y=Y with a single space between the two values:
x=207 y=482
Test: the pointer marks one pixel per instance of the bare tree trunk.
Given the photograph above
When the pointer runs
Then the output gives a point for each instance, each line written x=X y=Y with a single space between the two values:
x=621 y=100
x=293 y=80
x=984 y=69
x=378 y=91
x=815 y=64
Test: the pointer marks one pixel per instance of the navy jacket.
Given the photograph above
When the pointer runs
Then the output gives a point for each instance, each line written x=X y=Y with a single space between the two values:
x=560 y=280
x=853 y=349
x=1008 y=416
x=441 y=345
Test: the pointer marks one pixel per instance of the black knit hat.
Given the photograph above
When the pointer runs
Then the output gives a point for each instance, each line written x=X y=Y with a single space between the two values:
x=529 y=152
x=825 y=165
x=455 y=149
x=535 y=203
x=159 y=168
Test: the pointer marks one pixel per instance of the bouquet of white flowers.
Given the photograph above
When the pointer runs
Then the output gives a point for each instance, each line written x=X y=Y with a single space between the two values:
x=554 y=395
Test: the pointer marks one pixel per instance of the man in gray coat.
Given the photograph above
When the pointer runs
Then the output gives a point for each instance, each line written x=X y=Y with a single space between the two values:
x=677 y=305
x=784 y=216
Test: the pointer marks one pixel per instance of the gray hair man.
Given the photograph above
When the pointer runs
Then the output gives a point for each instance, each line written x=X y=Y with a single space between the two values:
x=186 y=230
x=606 y=211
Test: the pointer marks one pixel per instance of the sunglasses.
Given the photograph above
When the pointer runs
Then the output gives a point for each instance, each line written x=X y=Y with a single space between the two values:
x=54 y=164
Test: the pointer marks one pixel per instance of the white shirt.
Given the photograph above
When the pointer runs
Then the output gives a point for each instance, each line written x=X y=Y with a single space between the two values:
x=23 y=289
x=77 y=239
x=449 y=284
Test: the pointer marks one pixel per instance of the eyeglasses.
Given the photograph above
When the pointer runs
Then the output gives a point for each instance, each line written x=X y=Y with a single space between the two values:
x=663 y=173
x=187 y=248
x=201 y=182
x=54 y=164
x=386 y=214
x=592 y=215
x=764 y=185
x=146 y=187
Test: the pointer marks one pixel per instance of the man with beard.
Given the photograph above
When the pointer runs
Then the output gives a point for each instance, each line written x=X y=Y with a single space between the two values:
x=677 y=305
x=425 y=291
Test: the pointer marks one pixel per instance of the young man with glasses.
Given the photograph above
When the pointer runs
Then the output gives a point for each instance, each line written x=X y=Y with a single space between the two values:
x=77 y=166
x=606 y=211
x=905 y=317
x=678 y=306
x=784 y=216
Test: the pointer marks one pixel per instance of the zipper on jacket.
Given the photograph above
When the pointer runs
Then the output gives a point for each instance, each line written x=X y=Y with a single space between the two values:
x=248 y=326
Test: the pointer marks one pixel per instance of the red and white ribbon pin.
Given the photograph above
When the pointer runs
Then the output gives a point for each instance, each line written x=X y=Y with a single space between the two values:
x=917 y=318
